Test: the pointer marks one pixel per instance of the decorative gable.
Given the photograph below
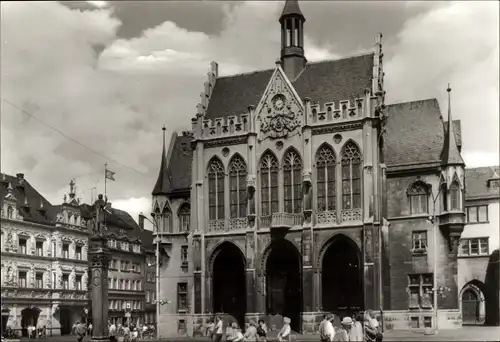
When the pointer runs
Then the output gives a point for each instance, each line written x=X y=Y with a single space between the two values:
x=280 y=111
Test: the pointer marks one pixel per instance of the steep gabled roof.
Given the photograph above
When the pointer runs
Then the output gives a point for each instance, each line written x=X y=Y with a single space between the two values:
x=322 y=82
x=178 y=170
x=415 y=133
x=476 y=182
x=164 y=176
x=25 y=192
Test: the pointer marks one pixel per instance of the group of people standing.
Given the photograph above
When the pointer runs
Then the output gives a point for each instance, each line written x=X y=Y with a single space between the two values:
x=255 y=332
x=363 y=327
x=36 y=333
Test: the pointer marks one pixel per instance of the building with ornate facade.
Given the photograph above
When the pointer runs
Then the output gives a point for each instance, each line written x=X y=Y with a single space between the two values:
x=127 y=271
x=478 y=258
x=44 y=260
x=299 y=191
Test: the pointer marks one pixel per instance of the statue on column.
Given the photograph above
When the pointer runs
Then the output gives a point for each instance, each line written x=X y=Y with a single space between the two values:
x=98 y=214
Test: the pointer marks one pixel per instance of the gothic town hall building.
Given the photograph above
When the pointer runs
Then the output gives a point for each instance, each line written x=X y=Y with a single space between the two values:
x=298 y=191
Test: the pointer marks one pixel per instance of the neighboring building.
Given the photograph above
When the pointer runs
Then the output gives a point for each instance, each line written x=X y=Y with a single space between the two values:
x=127 y=268
x=478 y=258
x=44 y=259
x=150 y=287
x=298 y=191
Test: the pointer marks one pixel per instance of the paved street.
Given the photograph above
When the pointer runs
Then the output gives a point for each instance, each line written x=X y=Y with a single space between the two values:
x=462 y=334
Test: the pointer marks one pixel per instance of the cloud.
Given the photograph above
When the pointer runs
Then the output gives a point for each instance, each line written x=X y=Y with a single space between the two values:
x=78 y=71
x=135 y=206
x=458 y=43
x=98 y=4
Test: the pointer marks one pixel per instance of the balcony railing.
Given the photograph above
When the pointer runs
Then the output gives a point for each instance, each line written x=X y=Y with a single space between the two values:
x=223 y=225
x=281 y=220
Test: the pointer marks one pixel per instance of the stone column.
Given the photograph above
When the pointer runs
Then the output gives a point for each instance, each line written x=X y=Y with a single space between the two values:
x=99 y=256
x=307 y=271
x=250 y=271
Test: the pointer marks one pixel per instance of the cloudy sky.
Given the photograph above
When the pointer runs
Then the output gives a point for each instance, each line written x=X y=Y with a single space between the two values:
x=108 y=75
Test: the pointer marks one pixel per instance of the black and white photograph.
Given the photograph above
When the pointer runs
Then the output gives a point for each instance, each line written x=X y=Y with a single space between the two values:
x=250 y=171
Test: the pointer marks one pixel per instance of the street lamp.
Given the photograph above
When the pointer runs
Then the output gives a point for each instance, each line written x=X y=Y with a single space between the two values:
x=157 y=264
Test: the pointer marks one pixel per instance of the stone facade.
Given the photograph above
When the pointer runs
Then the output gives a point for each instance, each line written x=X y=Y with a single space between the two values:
x=45 y=274
x=300 y=174
x=478 y=277
x=44 y=264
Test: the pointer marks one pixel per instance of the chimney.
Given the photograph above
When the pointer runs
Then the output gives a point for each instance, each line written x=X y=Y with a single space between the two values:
x=141 y=222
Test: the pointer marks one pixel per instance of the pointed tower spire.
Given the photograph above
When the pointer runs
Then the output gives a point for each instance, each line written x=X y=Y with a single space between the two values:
x=450 y=155
x=292 y=39
x=163 y=181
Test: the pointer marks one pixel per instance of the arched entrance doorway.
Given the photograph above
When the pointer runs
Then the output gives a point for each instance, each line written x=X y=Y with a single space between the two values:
x=229 y=284
x=284 y=282
x=29 y=316
x=341 y=273
x=5 y=319
x=473 y=303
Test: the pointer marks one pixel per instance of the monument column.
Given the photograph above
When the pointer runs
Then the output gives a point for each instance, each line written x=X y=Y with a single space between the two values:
x=98 y=256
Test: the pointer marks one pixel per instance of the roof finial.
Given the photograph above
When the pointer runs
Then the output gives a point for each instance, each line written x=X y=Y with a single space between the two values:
x=451 y=154
x=449 y=102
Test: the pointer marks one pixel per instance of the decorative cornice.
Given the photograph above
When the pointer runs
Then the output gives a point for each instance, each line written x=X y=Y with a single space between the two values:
x=337 y=127
x=225 y=141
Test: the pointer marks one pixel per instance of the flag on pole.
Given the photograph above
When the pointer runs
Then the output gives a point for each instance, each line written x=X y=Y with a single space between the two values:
x=110 y=175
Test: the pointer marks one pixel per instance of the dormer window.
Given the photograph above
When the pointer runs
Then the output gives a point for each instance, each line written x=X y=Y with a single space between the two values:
x=494 y=183
x=10 y=212
x=125 y=246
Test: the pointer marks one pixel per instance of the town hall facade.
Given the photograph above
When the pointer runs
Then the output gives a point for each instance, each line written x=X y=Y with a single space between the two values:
x=299 y=191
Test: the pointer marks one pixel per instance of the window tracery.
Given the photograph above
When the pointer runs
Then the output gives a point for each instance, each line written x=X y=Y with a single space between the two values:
x=165 y=224
x=216 y=189
x=237 y=187
x=351 y=176
x=269 y=183
x=292 y=182
x=454 y=195
x=418 y=196
x=325 y=168
x=184 y=217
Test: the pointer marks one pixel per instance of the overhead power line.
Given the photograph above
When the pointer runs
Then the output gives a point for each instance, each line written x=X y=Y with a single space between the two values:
x=69 y=137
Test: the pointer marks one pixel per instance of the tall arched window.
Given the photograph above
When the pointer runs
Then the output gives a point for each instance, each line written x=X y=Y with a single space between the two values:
x=351 y=176
x=10 y=212
x=455 y=195
x=215 y=189
x=443 y=192
x=184 y=217
x=165 y=222
x=325 y=166
x=292 y=182
x=269 y=184
x=237 y=187
x=418 y=196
